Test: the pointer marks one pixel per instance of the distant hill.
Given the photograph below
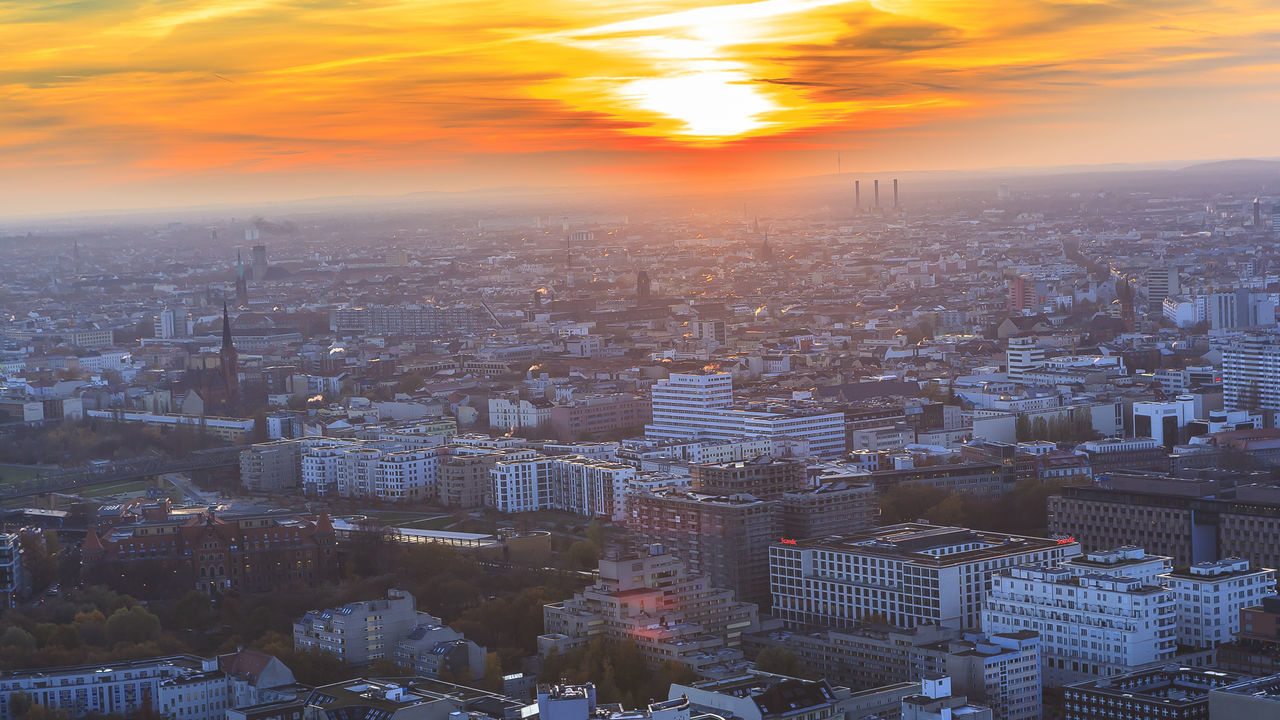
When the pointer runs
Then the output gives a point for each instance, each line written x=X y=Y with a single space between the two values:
x=1241 y=167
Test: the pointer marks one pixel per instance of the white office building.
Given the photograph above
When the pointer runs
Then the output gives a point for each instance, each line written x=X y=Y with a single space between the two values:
x=690 y=406
x=905 y=575
x=1089 y=625
x=1022 y=356
x=1164 y=421
x=1209 y=596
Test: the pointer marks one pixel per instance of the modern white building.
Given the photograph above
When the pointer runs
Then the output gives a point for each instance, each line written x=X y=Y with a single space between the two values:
x=320 y=466
x=383 y=469
x=690 y=406
x=170 y=323
x=1089 y=625
x=1210 y=595
x=904 y=575
x=1164 y=421
x=1251 y=373
x=1022 y=356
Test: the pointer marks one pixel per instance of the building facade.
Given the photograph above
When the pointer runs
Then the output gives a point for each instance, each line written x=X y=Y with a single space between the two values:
x=152 y=549
x=904 y=575
x=1089 y=625
x=1209 y=597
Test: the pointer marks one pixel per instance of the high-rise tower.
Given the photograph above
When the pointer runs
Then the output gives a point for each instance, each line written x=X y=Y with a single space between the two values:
x=642 y=285
x=857 y=197
x=876 y=187
x=242 y=286
x=259 y=263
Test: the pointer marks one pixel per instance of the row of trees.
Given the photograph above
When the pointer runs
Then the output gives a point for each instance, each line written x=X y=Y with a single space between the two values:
x=77 y=442
x=1023 y=510
x=83 y=626
x=499 y=609
x=1076 y=426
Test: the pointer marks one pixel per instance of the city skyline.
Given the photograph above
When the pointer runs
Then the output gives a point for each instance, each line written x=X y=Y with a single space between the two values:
x=131 y=105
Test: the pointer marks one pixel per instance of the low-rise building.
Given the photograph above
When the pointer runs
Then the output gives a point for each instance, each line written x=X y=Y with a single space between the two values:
x=184 y=687
x=1163 y=693
x=1253 y=698
x=760 y=696
x=360 y=632
x=411 y=698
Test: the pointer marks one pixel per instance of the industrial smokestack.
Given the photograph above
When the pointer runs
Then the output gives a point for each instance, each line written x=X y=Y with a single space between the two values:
x=876 y=187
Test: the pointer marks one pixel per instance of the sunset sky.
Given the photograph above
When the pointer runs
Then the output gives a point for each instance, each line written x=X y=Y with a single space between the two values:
x=127 y=103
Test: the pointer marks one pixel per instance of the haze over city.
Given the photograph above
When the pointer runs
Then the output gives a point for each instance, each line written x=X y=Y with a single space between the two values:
x=774 y=360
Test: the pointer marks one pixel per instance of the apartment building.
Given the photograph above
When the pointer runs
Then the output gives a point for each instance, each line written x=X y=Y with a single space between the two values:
x=12 y=580
x=1089 y=625
x=723 y=537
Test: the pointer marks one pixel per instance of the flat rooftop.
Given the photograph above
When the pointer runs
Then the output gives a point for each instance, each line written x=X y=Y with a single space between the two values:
x=932 y=544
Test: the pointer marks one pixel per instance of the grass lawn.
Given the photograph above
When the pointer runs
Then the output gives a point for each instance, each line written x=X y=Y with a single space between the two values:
x=12 y=474
x=431 y=523
x=127 y=487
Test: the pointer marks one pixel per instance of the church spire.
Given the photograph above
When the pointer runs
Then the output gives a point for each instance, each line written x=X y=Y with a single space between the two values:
x=226 y=327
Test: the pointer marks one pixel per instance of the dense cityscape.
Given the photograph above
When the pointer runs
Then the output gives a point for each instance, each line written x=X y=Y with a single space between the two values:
x=997 y=449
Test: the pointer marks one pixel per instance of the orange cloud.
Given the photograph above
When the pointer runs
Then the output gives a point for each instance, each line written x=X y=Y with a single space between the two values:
x=110 y=100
